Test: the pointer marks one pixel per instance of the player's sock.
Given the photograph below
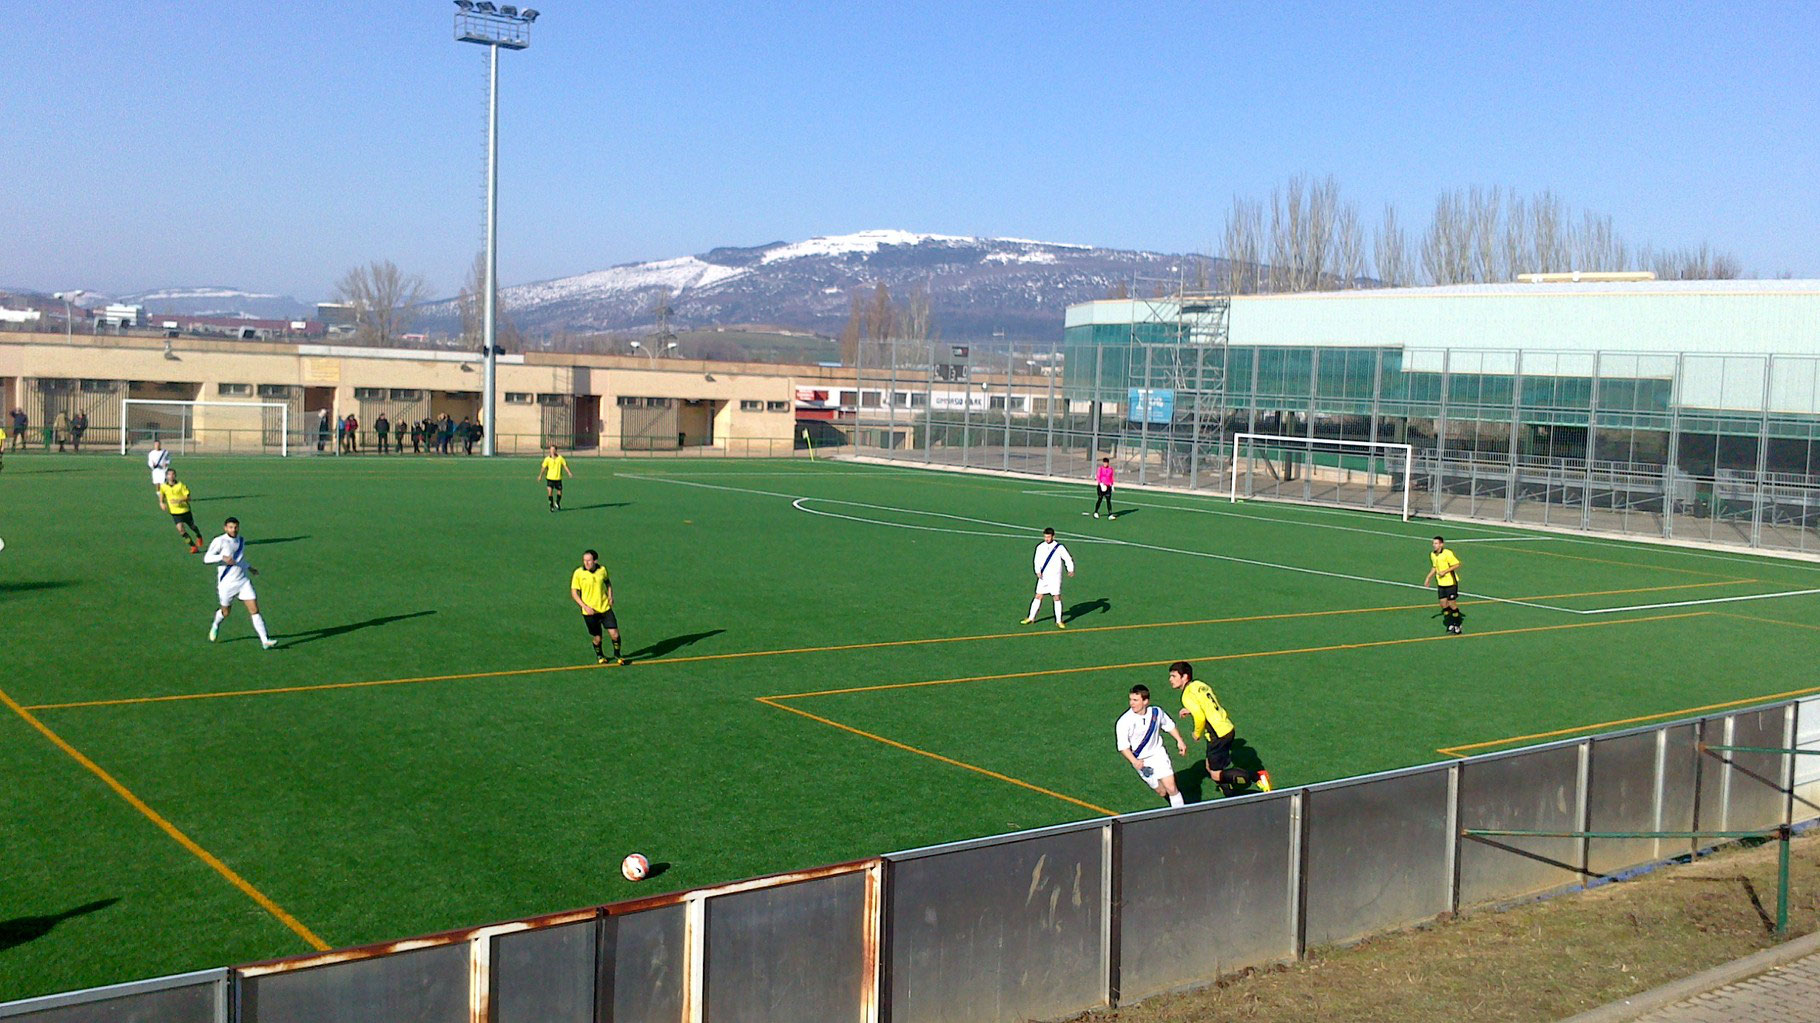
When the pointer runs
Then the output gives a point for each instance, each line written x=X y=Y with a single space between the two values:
x=1058 y=612
x=1035 y=606
x=616 y=648
x=1175 y=799
x=259 y=627
x=599 y=654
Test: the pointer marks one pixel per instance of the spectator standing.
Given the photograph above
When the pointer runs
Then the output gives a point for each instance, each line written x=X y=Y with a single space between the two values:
x=417 y=436
x=382 y=427
x=78 y=427
x=466 y=432
x=19 y=425
x=61 y=428
x=398 y=430
x=322 y=430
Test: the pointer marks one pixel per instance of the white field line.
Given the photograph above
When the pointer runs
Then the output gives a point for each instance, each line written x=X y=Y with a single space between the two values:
x=1313 y=525
x=1691 y=603
x=1028 y=532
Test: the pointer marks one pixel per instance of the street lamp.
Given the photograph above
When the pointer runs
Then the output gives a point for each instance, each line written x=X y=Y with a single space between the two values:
x=492 y=27
x=651 y=353
x=69 y=314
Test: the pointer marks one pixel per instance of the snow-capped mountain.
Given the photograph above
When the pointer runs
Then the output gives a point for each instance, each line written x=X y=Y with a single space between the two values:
x=219 y=301
x=976 y=285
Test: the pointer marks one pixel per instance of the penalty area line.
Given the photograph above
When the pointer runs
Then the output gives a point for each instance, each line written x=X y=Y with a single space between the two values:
x=176 y=834
x=893 y=743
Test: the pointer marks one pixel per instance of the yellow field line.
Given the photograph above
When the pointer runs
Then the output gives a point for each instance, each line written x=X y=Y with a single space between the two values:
x=1234 y=657
x=1771 y=621
x=1456 y=751
x=791 y=651
x=170 y=829
x=768 y=701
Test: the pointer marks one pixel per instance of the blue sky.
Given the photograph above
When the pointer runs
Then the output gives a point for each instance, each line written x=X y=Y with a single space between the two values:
x=271 y=146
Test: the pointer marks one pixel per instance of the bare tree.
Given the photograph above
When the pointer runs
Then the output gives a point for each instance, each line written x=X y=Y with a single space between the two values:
x=916 y=323
x=1447 y=247
x=473 y=311
x=384 y=300
x=1244 y=230
x=1348 y=247
x=1487 y=210
x=1119 y=289
x=1392 y=251
x=1519 y=251
x=1701 y=264
x=854 y=330
x=1550 y=234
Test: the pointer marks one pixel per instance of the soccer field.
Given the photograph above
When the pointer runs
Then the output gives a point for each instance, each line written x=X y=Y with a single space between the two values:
x=826 y=664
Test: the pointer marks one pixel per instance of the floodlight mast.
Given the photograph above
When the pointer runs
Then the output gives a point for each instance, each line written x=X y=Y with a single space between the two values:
x=492 y=27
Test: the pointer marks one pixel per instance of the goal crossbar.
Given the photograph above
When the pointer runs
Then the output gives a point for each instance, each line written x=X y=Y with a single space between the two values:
x=1368 y=448
x=284 y=416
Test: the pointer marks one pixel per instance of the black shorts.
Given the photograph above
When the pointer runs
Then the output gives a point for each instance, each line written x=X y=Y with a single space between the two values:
x=603 y=620
x=1448 y=592
x=184 y=519
x=555 y=485
x=1219 y=752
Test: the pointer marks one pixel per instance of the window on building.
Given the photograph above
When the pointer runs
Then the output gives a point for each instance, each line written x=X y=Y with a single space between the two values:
x=777 y=406
x=871 y=399
x=525 y=398
x=234 y=390
x=98 y=386
x=998 y=401
x=748 y=405
x=919 y=400
x=56 y=385
x=552 y=399
x=406 y=394
x=274 y=390
x=849 y=397
x=369 y=394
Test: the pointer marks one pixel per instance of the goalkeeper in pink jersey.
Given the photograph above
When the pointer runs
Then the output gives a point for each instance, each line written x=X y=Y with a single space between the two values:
x=1104 y=477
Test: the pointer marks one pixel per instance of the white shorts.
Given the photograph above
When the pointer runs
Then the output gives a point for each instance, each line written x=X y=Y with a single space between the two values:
x=157 y=477
x=1160 y=768
x=1045 y=588
x=241 y=589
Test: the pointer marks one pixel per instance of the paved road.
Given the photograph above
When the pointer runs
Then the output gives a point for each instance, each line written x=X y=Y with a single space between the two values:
x=1787 y=994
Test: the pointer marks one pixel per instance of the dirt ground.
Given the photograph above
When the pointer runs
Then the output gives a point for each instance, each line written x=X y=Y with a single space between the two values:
x=1534 y=962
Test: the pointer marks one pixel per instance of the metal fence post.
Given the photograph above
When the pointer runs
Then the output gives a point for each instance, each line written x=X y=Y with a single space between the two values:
x=1111 y=909
x=1592 y=444
x=1049 y=420
x=1514 y=478
x=1144 y=396
x=1756 y=514
x=1009 y=360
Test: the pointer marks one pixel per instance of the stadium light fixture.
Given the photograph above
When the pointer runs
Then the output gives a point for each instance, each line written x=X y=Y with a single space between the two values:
x=484 y=24
x=528 y=15
x=69 y=312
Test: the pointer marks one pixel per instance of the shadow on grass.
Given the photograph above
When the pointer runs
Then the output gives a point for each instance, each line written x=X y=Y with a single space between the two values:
x=1196 y=785
x=225 y=497
x=1099 y=605
x=666 y=647
x=292 y=639
x=277 y=539
x=1126 y=513
x=35 y=585
x=603 y=504
x=22 y=929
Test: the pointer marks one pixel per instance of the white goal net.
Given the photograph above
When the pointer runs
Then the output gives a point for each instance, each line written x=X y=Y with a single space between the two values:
x=213 y=427
x=1362 y=474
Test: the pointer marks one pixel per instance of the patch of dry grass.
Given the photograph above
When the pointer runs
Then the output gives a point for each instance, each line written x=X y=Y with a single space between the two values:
x=1531 y=963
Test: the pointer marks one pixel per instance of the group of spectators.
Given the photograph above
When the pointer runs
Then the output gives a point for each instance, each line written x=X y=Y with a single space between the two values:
x=439 y=434
x=65 y=430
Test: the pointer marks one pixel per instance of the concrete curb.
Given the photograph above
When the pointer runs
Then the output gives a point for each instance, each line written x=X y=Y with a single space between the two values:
x=1627 y=1009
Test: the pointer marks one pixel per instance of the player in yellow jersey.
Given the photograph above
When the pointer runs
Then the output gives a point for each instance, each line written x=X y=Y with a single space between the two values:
x=174 y=497
x=592 y=591
x=551 y=471
x=1212 y=723
x=1444 y=569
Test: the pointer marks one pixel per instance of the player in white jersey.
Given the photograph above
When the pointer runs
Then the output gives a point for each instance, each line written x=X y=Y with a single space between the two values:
x=1051 y=558
x=234 y=580
x=1140 y=733
x=157 y=460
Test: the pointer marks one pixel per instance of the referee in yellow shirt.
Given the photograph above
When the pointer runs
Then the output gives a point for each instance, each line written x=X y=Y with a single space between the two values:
x=1212 y=723
x=592 y=591
x=174 y=497
x=550 y=470
x=1444 y=569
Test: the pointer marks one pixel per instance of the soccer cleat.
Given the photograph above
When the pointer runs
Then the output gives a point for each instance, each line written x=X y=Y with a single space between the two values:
x=1111 y=516
x=1096 y=515
x=268 y=643
x=1027 y=621
x=619 y=662
x=1061 y=625
x=212 y=633
x=600 y=659
x=1263 y=781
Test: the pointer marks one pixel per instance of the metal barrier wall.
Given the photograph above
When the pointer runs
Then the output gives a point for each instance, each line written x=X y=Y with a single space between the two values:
x=1051 y=922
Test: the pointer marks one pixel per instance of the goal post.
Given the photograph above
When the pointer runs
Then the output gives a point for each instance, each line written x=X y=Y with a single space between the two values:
x=1363 y=474
x=221 y=427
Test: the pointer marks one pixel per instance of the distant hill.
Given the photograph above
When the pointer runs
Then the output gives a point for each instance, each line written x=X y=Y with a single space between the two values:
x=976 y=285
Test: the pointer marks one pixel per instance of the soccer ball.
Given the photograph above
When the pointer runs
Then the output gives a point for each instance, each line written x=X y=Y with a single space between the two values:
x=635 y=867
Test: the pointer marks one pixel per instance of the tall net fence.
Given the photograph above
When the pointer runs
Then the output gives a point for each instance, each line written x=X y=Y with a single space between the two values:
x=1719 y=448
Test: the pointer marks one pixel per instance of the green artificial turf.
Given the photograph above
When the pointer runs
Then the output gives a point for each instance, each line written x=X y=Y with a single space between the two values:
x=377 y=812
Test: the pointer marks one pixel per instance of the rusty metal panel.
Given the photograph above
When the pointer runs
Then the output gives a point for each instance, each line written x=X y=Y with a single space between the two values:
x=794 y=952
x=186 y=998
x=1621 y=795
x=998 y=931
x=421 y=985
x=644 y=966
x=1378 y=855
x=1758 y=795
x=1205 y=893
x=1536 y=790
x=545 y=975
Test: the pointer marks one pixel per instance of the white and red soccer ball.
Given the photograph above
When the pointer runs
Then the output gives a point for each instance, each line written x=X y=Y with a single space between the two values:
x=635 y=867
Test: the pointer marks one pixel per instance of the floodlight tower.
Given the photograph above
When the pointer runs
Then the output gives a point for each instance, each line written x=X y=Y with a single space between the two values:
x=493 y=27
